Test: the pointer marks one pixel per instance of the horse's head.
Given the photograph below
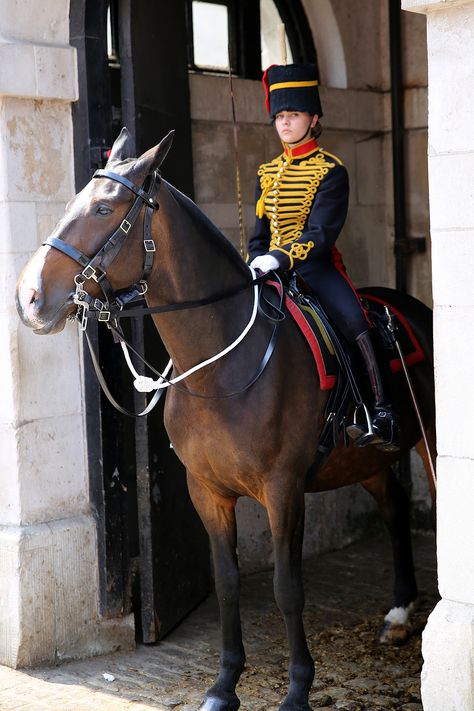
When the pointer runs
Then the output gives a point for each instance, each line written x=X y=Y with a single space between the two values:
x=46 y=287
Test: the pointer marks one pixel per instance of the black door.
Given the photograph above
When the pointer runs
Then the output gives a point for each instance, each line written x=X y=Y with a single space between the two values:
x=153 y=551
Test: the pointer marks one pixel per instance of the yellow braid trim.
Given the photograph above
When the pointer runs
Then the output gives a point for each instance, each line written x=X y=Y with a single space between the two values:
x=260 y=206
x=287 y=254
x=300 y=251
x=266 y=182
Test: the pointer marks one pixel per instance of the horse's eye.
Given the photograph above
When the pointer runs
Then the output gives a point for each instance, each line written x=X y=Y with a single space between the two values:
x=103 y=210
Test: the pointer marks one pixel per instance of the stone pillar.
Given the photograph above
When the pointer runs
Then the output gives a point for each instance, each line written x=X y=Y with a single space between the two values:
x=48 y=546
x=448 y=650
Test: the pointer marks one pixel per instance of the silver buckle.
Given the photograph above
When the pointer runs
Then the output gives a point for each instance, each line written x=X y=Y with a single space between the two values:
x=149 y=245
x=125 y=226
x=89 y=273
x=104 y=316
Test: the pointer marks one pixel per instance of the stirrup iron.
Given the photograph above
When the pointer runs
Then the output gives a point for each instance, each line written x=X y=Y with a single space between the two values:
x=359 y=433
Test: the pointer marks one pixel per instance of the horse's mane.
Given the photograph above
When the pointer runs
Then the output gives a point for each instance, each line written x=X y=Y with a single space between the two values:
x=203 y=223
x=197 y=216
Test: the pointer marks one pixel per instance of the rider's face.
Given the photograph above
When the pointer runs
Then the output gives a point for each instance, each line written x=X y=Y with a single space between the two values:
x=294 y=126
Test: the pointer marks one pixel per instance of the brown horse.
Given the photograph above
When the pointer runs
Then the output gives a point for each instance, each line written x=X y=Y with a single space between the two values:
x=259 y=443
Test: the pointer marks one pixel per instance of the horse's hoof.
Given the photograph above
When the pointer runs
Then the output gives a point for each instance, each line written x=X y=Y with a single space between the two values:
x=397 y=635
x=213 y=703
x=397 y=628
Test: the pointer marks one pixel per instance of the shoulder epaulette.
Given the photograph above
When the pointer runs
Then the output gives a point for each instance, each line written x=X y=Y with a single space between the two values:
x=331 y=155
x=271 y=163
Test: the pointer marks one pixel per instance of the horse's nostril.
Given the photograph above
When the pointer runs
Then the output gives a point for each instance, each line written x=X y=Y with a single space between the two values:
x=31 y=299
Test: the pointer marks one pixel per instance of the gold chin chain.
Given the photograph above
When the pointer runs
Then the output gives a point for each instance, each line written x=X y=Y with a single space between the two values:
x=243 y=241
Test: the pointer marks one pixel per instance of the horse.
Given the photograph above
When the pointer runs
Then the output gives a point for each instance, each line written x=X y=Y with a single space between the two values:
x=238 y=438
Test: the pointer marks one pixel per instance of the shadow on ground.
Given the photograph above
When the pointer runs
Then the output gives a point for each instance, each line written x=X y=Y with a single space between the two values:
x=347 y=594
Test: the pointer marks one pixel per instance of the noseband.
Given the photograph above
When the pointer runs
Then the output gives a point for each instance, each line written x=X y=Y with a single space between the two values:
x=96 y=267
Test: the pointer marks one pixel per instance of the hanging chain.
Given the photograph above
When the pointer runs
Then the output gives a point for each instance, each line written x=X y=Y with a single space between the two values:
x=243 y=242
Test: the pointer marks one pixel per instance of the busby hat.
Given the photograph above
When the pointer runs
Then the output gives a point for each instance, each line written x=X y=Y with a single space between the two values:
x=292 y=87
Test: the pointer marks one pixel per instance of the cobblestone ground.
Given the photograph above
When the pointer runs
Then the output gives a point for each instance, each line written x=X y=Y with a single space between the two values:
x=347 y=594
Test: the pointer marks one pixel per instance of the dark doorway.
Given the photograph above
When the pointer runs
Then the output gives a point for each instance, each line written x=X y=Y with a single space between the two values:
x=153 y=551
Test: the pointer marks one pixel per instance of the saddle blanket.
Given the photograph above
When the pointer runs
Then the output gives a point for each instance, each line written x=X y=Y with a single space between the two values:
x=313 y=329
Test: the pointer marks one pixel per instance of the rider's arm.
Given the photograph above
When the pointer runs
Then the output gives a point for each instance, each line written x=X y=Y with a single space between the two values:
x=259 y=242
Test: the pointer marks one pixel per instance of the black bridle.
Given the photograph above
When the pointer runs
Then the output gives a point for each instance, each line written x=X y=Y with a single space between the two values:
x=110 y=311
x=96 y=267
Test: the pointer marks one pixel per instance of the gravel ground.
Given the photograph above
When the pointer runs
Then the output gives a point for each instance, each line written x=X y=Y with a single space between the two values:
x=347 y=593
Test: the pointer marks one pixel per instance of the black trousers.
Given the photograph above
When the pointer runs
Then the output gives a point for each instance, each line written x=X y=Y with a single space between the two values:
x=327 y=279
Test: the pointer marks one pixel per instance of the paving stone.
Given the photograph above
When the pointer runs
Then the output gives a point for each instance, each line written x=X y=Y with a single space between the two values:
x=347 y=595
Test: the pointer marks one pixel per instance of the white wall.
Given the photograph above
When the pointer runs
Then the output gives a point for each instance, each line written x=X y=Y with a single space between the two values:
x=448 y=671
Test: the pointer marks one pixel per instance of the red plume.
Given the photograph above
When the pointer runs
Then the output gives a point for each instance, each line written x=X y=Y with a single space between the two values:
x=265 y=86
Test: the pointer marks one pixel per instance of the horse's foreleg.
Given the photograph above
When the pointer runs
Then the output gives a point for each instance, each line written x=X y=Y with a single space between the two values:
x=394 y=505
x=218 y=516
x=285 y=508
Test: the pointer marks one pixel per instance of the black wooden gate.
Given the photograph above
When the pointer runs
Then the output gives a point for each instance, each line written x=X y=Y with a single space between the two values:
x=153 y=551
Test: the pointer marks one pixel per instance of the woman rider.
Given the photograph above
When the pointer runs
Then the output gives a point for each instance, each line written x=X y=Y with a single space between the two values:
x=302 y=199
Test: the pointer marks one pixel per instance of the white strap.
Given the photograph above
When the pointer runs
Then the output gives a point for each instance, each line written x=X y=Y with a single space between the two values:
x=145 y=384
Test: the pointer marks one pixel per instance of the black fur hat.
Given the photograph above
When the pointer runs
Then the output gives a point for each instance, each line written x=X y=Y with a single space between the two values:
x=292 y=87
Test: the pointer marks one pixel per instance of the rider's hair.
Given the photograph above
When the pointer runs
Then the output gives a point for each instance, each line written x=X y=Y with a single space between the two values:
x=317 y=130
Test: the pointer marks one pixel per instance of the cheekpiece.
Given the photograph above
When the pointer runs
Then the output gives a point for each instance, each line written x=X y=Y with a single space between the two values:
x=292 y=87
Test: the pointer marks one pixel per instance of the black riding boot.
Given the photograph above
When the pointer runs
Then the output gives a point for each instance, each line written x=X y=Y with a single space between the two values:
x=385 y=430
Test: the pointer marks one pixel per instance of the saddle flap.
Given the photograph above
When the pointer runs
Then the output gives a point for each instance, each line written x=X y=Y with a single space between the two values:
x=312 y=328
x=411 y=348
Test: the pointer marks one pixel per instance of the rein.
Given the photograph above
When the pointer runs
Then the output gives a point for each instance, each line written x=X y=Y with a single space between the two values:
x=112 y=308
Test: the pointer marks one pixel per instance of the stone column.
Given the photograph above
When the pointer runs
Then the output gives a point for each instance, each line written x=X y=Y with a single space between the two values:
x=448 y=650
x=48 y=547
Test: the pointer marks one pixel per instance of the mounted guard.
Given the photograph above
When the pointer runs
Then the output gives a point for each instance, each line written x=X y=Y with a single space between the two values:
x=301 y=205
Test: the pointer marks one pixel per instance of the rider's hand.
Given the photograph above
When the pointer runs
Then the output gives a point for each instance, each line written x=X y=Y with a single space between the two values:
x=265 y=263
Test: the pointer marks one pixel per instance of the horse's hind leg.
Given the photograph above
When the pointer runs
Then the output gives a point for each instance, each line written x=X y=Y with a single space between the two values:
x=429 y=461
x=218 y=516
x=394 y=505
x=285 y=506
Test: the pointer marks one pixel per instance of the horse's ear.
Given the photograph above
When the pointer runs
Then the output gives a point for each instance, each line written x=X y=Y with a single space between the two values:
x=123 y=146
x=153 y=158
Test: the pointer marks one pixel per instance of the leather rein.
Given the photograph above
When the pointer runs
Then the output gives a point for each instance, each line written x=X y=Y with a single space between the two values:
x=111 y=309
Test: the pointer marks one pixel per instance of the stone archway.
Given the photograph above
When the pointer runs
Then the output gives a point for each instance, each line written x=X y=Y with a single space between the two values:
x=327 y=37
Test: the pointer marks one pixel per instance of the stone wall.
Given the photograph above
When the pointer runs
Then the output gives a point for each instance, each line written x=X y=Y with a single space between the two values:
x=448 y=671
x=48 y=548
x=355 y=88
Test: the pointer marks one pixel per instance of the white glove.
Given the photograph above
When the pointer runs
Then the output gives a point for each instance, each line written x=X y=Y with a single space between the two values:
x=265 y=263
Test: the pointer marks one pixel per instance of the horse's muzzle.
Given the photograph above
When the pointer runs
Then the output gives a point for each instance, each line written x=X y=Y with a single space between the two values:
x=34 y=313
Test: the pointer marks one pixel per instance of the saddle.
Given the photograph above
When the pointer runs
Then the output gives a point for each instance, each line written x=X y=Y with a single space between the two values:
x=337 y=364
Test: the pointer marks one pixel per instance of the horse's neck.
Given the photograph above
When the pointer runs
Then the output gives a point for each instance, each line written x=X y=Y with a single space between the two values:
x=192 y=262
